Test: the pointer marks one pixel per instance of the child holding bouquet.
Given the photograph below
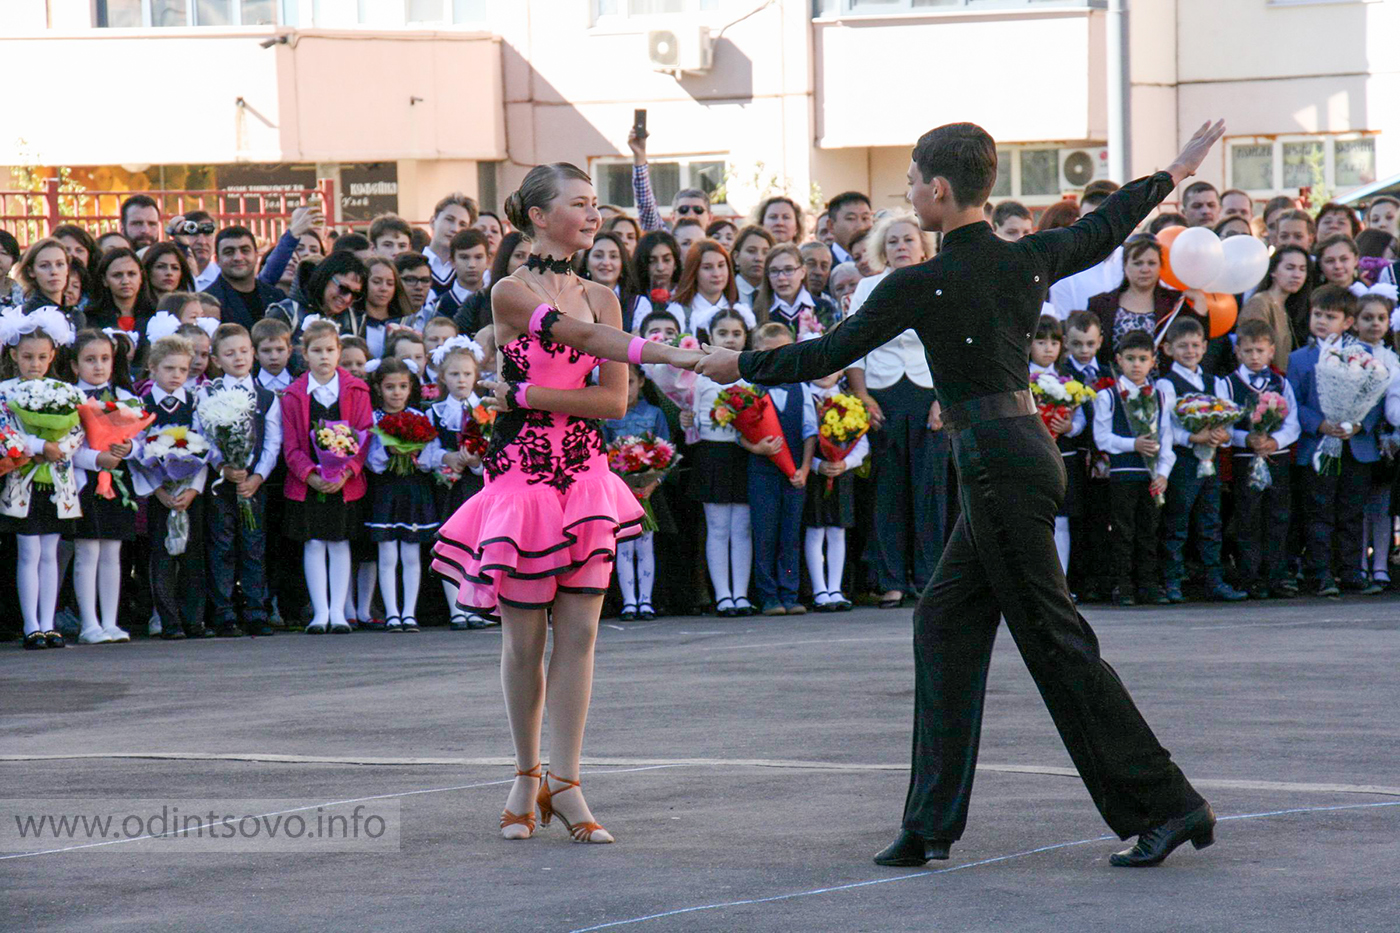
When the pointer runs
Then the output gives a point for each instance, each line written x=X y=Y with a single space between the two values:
x=454 y=457
x=325 y=488
x=1335 y=493
x=402 y=511
x=1090 y=534
x=719 y=480
x=777 y=528
x=243 y=422
x=1262 y=444
x=1129 y=422
x=636 y=557
x=177 y=579
x=99 y=364
x=1067 y=429
x=1373 y=315
x=842 y=423
x=1193 y=493
x=39 y=501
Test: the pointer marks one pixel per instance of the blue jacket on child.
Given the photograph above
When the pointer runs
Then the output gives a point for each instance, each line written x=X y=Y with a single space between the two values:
x=1302 y=375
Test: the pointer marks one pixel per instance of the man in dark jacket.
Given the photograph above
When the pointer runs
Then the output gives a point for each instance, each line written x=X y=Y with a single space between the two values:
x=243 y=297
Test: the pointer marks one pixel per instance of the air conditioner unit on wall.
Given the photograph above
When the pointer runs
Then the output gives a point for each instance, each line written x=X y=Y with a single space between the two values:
x=1078 y=167
x=682 y=50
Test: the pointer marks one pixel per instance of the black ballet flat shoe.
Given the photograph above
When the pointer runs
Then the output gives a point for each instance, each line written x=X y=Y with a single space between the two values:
x=35 y=641
x=910 y=850
x=53 y=639
x=645 y=612
x=1153 y=846
x=628 y=614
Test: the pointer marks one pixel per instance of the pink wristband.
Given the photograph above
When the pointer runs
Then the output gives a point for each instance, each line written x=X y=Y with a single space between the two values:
x=537 y=317
x=634 y=350
x=520 y=390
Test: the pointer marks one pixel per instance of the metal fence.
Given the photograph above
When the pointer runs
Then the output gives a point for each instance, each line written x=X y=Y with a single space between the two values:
x=32 y=215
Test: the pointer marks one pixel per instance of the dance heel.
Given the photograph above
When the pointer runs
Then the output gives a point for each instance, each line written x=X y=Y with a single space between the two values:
x=1204 y=839
x=582 y=832
x=526 y=819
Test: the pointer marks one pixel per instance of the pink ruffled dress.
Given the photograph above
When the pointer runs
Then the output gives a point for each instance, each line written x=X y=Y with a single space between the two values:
x=551 y=513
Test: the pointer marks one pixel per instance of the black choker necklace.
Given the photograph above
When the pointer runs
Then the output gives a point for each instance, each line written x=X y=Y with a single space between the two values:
x=546 y=264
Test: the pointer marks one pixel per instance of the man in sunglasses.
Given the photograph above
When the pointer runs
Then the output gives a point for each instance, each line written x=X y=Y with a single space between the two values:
x=689 y=203
x=243 y=296
x=194 y=232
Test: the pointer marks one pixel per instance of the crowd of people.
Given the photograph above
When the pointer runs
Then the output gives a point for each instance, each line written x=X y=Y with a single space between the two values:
x=324 y=326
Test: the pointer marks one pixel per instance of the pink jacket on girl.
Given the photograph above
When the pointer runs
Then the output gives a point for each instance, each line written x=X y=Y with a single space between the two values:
x=355 y=408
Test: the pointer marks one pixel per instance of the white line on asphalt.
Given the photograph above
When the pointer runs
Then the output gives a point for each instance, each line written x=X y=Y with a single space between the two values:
x=944 y=871
x=778 y=763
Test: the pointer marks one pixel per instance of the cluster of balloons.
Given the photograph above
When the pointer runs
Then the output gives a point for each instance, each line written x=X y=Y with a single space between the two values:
x=1196 y=258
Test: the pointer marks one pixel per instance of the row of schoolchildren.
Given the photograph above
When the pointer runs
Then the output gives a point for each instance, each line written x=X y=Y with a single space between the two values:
x=1151 y=497
x=361 y=515
x=806 y=514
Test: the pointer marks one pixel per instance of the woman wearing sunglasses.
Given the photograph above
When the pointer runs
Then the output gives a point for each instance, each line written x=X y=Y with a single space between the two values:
x=333 y=290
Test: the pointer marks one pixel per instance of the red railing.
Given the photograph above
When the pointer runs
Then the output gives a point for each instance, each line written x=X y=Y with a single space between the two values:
x=32 y=215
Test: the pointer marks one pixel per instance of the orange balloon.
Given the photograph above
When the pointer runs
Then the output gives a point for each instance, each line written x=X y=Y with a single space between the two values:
x=1221 y=310
x=1165 y=237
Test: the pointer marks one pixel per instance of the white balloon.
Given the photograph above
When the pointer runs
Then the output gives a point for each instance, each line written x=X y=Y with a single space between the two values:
x=1197 y=257
x=1246 y=261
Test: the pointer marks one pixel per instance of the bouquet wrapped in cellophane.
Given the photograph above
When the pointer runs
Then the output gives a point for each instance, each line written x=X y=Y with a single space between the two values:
x=1058 y=397
x=175 y=454
x=641 y=461
x=1200 y=412
x=1270 y=411
x=1350 y=381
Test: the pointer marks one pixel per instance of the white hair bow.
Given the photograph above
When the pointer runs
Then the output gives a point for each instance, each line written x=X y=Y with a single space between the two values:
x=373 y=365
x=1384 y=289
x=161 y=324
x=311 y=319
x=115 y=332
x=208 y=325
x=15 y=325
x=461 y=341
x=412 y=366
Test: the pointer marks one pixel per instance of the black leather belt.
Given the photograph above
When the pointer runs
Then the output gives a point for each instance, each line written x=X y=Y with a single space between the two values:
x=990 y=408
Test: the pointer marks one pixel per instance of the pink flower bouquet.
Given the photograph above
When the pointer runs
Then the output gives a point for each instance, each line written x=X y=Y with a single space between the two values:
x=678 y=385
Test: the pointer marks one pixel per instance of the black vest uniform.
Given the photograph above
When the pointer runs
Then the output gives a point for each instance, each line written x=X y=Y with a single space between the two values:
x=1130 y=466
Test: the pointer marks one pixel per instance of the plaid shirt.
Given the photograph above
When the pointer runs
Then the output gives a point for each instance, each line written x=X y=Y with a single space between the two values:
x=647 y=215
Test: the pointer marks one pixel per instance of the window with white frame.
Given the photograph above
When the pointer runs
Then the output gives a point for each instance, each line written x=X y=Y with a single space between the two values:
x=605 y=11
x=877 y=7
x=1042 y=173
x=1269 y=165
x=158 y=14
x=612 y=178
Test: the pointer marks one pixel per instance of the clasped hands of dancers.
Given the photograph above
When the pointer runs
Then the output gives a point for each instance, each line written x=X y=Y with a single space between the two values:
x=541 y=535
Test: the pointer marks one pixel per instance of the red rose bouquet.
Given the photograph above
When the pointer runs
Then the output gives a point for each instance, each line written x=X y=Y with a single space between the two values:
x=642 y=461
x=751 y=412
x=403 y=435
x=13 y=453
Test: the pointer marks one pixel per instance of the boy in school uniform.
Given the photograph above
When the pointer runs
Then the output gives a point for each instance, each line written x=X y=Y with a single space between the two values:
x=1193 y=501
x=1333 y=504
x=1261 y=515
x=177 y=581
x=284 y=588
x=1089 y=533
x=1138 y=467
x=777 y=523
x=236 y=552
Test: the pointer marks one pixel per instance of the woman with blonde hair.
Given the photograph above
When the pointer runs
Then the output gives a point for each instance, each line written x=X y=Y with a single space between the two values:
x=909 y=450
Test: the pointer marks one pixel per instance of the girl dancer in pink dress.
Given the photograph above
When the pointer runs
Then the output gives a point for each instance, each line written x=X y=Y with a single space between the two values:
x=537 y=544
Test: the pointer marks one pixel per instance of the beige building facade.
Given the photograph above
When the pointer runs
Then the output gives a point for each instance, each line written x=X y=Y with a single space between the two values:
x=809 y=97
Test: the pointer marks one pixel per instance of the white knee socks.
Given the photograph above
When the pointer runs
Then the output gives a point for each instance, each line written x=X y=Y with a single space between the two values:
x=728 y=550
x=740 y=550
x=390 y=553
x=37 y=577
x=1062 y=541
x=826 y=574
x=339 y=552
x=314 y=564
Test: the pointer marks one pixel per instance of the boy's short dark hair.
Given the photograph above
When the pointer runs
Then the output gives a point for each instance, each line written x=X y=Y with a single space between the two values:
x=1049 y=328
x=1134 y=340
x=227 y=331
x=1097 y=191
x=1082 y=321
x=389 y=223
x=770 y=331
x=406 y=261
x=964 y=154
x=1184 y=326
x=1163 y=221
x=271 y=328
x=1198 y=186
x=467 y=239
x=351 y=243
x=1008 y=209
x=1253 y=328
x=1331 y=297
x=847 y=197
x=1304 y=216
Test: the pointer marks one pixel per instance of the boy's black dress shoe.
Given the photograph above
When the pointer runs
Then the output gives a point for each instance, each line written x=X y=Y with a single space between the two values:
x=910 y=850
x=1153 y=846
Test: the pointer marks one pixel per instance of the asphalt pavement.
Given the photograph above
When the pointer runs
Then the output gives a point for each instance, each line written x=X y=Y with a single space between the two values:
x=749 y=768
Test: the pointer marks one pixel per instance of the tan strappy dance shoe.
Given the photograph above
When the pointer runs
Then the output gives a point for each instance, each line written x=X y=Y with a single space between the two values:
x=582 y=832
x=526 y=819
